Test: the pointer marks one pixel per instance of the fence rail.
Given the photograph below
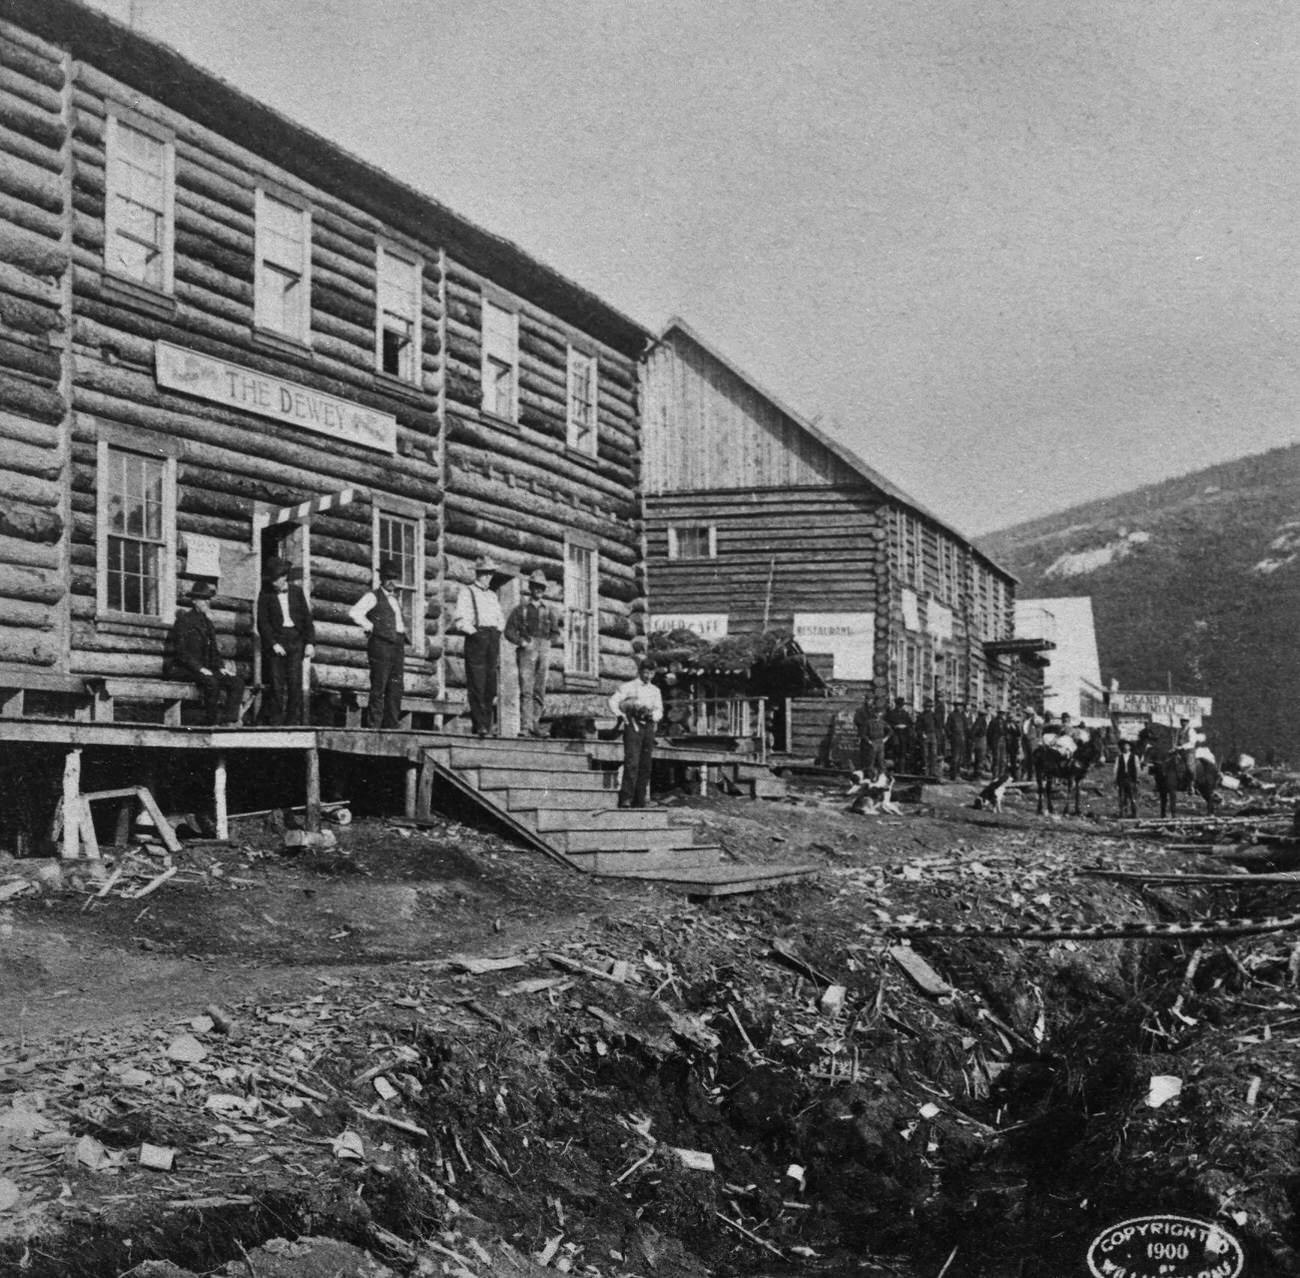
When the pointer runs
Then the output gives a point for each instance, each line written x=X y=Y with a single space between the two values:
x=744 y=718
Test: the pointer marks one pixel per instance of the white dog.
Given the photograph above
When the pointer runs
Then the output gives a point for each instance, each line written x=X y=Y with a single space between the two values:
x=872 y=796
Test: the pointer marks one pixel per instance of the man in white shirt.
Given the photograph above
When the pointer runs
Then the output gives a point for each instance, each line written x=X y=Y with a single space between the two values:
x=379 y=613
x=640 y=706
x=478 y=617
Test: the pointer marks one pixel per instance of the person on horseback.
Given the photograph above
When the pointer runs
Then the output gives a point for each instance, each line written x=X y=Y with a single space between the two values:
x=1060 y=736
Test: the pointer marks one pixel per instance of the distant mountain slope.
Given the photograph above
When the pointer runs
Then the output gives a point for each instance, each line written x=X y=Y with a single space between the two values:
x=1195 y=584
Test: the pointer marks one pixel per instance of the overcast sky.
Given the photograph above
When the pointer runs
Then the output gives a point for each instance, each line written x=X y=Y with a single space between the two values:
x=1015 y=253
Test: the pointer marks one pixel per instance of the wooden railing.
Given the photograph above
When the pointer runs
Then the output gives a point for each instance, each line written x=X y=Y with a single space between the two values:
x=744 y=718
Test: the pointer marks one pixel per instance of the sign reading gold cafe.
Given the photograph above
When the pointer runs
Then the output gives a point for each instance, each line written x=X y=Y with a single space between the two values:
x=235 y=386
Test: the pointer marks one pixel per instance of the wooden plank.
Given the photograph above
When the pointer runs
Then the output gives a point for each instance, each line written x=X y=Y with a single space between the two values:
x=722 y=880
x=313 y=815
x=165 y=831
x=71 y=822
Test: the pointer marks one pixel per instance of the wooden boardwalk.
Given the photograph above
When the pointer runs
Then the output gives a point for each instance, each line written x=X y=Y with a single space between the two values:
x=558 y=797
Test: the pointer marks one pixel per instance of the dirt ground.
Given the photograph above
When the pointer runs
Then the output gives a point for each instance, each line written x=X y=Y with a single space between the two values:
x=426 y=1051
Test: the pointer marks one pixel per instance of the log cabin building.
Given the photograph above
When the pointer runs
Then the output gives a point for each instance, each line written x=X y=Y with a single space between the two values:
x=757 y=520
x=224 y=338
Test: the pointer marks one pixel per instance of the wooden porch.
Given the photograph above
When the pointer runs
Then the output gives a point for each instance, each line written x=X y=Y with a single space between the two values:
x=556 y=796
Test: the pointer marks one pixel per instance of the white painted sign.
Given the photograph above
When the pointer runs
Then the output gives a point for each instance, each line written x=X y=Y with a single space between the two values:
x=938 y=620
x=708 y=625
x=1161 y=705
x=848 y=637
x=213 y=379
x=911 y=611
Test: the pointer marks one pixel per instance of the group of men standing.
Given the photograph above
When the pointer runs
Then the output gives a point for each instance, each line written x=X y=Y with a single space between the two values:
x=972 y=742
x=286 y=632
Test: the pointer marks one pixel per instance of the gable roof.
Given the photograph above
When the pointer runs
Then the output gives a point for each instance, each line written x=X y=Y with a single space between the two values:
x=167 y=77
x=845 y=455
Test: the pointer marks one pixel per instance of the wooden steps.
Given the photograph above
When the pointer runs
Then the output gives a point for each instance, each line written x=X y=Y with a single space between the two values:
x=558 y=798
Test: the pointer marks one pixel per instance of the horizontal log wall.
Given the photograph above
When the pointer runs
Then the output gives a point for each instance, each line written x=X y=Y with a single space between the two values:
x=35 y=231
x=77 y=367
x=517 y=490
x=228 y=461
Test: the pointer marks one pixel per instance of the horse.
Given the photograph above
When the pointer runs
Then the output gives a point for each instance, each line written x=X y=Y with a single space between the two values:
x=1169 y=769
x=1051 y=765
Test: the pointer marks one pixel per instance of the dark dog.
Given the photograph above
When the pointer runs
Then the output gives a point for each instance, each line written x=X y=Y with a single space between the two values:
x=574 y=726
x=990 y=796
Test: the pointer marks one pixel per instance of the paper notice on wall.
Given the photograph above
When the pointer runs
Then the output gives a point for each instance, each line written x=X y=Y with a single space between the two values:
x=911 y=611
x=202 y=556
x=938 y=620
x=232 y=565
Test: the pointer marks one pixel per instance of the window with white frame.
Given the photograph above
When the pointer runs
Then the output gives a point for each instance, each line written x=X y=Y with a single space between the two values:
x=397 y=322
x=582 y=401
x=581 y=604
x=282 y=276
x=692 y=541
x=500 y=360
x=138 y=203
x=400 y=538
x=136 y=528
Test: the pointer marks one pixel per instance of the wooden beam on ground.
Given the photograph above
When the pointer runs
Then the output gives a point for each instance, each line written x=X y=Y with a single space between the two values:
x=163 y=826
x=1245 y=879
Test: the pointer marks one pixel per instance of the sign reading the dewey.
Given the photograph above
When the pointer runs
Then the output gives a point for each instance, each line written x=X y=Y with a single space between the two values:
x=849 y=637
x=214 y=379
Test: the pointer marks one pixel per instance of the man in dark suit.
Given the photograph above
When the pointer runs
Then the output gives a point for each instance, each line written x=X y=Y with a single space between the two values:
x=195 y=655
x=955 y=730
x=1126 y=779
x=284 y=624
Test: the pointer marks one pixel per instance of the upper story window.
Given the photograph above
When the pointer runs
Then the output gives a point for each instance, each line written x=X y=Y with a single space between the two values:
x=282 y=285
x=138 y=207
x=136 y=532
x=397 y=323
x=500 y=361
x=911 y=563
x=582 y=401
x=692 y=541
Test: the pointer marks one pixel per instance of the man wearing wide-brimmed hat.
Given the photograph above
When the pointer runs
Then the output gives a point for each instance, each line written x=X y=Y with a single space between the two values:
x=287 y=632
x=478 y=617
x=195 y=655
x=531 y=627
x=379 y=613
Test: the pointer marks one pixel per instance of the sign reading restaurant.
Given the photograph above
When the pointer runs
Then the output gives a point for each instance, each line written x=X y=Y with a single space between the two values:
x=233 y=385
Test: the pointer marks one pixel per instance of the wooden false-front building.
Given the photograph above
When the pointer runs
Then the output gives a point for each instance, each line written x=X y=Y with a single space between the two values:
x=224 y=338
x=757 y=520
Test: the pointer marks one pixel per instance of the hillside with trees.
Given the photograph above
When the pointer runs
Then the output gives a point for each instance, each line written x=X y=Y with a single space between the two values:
x=1195 y=585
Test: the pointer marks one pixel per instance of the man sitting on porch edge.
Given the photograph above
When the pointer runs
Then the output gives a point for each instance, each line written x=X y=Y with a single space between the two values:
x=195 y=655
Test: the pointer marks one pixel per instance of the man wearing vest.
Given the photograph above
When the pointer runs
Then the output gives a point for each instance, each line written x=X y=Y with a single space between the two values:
x=478 y=617
x=379 y=613
x=531 y=627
